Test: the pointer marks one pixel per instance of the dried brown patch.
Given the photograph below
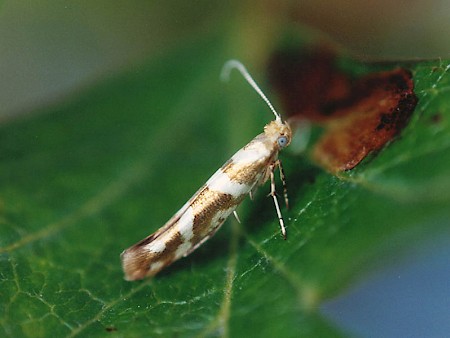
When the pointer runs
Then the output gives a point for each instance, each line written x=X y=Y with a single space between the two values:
x=308 y=82
x=360 y=115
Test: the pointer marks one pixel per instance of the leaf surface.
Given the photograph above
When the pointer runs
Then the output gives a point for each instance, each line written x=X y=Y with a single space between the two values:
x=87 y=178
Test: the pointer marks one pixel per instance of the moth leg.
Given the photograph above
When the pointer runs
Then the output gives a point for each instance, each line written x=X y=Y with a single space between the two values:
x=236 y=216
x=273 y=193
x=283 y=180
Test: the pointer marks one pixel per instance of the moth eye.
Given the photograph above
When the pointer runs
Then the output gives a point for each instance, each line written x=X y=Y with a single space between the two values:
x=282 y=141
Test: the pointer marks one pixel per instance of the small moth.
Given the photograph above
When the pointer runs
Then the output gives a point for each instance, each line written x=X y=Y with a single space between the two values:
x=207 y=210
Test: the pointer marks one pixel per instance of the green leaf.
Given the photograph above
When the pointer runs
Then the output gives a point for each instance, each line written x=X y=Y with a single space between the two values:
x=86 y=179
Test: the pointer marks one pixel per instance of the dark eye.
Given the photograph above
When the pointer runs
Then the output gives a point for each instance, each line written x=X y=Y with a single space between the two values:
x=282 y=141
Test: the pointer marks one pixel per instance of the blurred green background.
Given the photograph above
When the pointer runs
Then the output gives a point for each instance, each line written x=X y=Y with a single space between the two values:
x=49 y=49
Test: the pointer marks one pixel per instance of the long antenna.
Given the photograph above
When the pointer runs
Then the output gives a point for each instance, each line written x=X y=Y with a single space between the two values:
x=225 y=75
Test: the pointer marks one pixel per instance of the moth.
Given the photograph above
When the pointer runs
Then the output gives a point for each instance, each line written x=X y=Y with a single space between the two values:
x=201 y=216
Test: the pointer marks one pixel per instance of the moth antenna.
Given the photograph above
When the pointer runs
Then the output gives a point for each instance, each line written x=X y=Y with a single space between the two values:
x=225 y=75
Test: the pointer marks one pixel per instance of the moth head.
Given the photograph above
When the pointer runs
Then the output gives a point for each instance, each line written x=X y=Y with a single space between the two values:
x=278 y=132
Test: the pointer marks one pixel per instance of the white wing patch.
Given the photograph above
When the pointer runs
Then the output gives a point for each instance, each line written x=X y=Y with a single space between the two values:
x=221 y=182
x=156 y=246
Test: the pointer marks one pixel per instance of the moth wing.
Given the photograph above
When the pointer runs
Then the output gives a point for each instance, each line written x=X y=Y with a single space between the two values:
x=175 y=218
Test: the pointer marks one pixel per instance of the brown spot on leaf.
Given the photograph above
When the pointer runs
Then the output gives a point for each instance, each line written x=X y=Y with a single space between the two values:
x=436 y=118
x=359 y=115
